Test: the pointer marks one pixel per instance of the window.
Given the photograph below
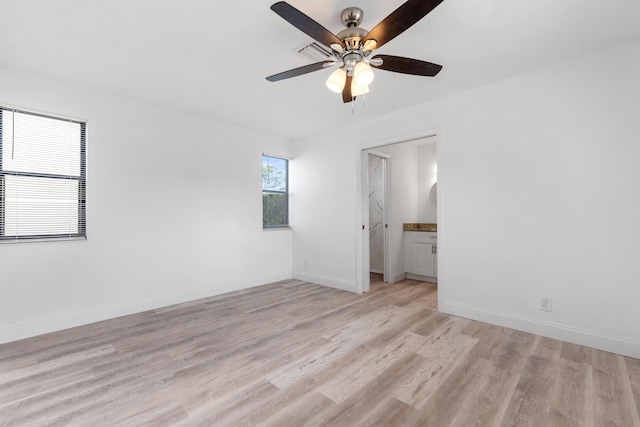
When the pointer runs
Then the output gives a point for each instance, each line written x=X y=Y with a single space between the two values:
x=42 y=176
x=275 y=192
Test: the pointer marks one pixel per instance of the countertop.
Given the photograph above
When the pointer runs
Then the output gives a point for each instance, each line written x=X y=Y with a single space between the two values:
x=419 y=226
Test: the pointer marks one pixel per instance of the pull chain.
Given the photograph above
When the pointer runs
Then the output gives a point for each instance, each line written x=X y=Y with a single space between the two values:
x=353 y=103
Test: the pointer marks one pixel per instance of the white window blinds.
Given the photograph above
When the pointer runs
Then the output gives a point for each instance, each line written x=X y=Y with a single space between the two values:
x=42 y=176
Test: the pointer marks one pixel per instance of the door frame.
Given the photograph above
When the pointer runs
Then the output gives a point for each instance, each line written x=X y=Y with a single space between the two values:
x=362 y=202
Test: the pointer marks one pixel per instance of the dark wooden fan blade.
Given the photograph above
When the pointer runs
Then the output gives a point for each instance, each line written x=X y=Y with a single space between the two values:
x=300 y=71
x=305 y=24
x=400 y=20
x=398 y=64
x=346 y=91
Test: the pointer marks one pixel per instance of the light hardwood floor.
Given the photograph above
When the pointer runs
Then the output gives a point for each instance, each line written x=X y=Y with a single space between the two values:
x=297 y=354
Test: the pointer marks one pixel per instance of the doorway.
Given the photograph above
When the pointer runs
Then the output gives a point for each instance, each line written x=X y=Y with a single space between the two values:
x=397 y=211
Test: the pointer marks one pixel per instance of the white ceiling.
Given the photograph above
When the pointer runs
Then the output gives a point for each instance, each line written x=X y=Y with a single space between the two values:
x=210 y=58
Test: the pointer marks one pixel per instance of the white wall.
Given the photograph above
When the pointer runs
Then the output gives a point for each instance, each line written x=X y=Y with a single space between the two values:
x=174 y=214
x=538 y=196
x=323 y=214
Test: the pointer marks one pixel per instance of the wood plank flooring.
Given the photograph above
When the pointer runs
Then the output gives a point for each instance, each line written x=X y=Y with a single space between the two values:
x=297 y=354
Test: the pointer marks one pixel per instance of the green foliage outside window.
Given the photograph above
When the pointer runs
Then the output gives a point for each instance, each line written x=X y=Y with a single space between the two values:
x=275 y=196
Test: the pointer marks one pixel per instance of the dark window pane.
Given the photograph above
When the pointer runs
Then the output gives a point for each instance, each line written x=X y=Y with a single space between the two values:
x=274 y=210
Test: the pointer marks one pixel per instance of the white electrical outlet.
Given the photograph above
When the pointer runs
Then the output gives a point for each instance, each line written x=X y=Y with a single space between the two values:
x=306 y=264
x=545 y=304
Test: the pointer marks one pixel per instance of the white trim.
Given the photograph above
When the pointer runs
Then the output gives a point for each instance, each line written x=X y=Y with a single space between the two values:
x=43 y=240
x=544 y=328
x=398 y=139
x=326 y=281
x=278 y=156
x=398 y=277
x=65 y=321
x=422 y=278
x=362 y=218
x=43 y=113
x=378 y=154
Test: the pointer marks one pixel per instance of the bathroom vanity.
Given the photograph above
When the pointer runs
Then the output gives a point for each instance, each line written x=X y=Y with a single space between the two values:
x=421 y=251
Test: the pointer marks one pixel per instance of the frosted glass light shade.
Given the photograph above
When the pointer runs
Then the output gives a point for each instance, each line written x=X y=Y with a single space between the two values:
x=358 y=90
x=362 y=74
x=336 y=80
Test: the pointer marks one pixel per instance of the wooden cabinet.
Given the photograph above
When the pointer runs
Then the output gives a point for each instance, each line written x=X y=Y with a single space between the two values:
x=421 y=254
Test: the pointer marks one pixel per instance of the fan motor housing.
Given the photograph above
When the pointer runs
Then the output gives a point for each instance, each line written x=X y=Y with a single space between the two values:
x=352 y=35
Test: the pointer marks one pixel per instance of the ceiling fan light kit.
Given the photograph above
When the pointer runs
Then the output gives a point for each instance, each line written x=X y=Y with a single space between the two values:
x=362 y=74
x=352 y=47
x=336 y=80
x=358 y=90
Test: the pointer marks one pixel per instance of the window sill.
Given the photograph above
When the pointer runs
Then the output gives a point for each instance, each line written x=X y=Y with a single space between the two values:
x=276 y=228
x=41 y=240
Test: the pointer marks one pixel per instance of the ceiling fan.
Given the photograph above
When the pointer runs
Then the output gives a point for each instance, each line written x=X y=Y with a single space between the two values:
x=352 y=47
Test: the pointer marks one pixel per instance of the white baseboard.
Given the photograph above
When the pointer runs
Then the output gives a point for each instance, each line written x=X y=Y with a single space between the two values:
x=398 y=277
x=547 y=329
x=326 y=281
x=422 y=278
x=70 y=320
